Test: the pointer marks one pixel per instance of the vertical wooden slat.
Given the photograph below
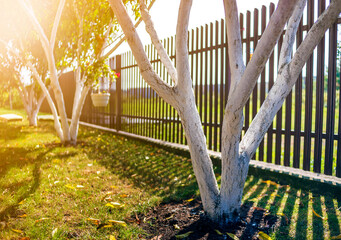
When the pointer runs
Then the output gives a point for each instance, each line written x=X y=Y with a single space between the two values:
x=206 y=84
x=262 y=83
x=222 y=69
x=328 y=164
x=271 y=82
x=210 y=82
x=308 y=97
x=201 y=74
x=298 y=107
x=118 y=94
x=278 y=148
x=338 y=163
x=196 y=67
x=248 y=40
x=255 y=89
x=319 y=97
x=216 y=86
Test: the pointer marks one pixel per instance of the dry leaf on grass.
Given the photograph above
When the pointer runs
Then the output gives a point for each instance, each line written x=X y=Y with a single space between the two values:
x=182 y=236
x=263 y=236
x=122 y=223
x=231 y=235
x=317 y=215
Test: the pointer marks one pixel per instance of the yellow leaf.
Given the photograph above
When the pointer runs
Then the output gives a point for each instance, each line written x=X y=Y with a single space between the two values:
x=111 y=237
x=41 y=219
x=80 y=186
x=108 y=226
x=317 y=215
x=231 y=235
x=69 y=186
x=275 y=195
x=24 y=238
x=190 y=200
x=16 y=230
x=171 y=216
x=270 y=183
x=218 y=232
x=336 y=237
x=23 y=216
x=123 y=195
x=122 y=223
x=263 y=236
x=21 y=202
x=176 y=226
x=182 y=236
x=93 y=221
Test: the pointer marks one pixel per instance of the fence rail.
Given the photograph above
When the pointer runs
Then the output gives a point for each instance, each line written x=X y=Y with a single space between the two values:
x=306 y=132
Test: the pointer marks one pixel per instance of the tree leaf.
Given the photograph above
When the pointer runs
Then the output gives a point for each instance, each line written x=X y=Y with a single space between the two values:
x=263 y=236
x=17 y=230
x=271 y=183
x=41 y=219
x=336 y=237
x=231 y=235
x=317 y=215
x=122 y=223
x=182 y=236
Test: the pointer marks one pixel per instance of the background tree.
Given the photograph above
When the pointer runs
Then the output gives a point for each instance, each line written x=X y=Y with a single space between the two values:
x=222 y=205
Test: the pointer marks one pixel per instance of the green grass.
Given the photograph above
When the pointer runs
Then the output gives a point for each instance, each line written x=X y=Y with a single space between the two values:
x=48 y=191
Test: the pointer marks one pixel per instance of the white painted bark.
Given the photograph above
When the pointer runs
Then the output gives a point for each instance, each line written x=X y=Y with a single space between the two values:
x=167 y=62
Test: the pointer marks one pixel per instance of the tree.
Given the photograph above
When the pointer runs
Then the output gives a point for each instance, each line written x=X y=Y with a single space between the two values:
x=222 y=205
x=85 y=29
x=20 y=49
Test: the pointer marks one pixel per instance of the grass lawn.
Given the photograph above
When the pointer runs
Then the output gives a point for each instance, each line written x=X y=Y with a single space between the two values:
x=51 y=191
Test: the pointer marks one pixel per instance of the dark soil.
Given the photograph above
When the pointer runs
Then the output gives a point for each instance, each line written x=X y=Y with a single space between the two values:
x=173 y=219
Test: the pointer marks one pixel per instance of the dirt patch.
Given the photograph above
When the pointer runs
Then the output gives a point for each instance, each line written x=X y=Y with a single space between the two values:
x=173 y=219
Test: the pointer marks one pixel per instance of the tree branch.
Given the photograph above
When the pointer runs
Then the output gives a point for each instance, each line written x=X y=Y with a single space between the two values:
x=56 y=23
x=290 y=34
x=157 y=43
x=146 y=69
x=182 y=63
x=242 y=91
x=286 y=79
x=236 y=62
x=123 y=37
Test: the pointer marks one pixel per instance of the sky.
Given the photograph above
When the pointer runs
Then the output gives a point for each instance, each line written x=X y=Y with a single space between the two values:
x=164 y=16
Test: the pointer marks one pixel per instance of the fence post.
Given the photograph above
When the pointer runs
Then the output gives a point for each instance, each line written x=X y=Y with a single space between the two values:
x=118 y=92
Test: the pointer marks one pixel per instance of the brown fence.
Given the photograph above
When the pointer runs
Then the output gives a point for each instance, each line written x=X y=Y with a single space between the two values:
x=306 y=131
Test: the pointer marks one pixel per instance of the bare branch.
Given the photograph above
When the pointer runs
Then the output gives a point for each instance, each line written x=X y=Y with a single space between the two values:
x=237 y=65
x=290 y=34
x=123 y=37
x=241 y=92
x=286 y=80
x=157 y=43
x=146 y=69
x=56 y=23
x=182 y=62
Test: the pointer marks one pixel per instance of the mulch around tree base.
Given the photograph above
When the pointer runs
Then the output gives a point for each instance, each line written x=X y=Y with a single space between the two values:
x=170 y=220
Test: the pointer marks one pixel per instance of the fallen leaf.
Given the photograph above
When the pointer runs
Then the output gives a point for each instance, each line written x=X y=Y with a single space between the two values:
x=275 y=195
x=270 y=183
x=157 y=237
x=23 y=216
x=317 y=215
x=41 y=219
x=93 y=221
x=21 y=202
x=123 y=195
x=336 y=237
x=111 y=237
x=176 y=226
x=69 y=186
x=24 y=238
x=182 y=236
x=231 y=235
x=263 y=236
x=218 y=232
x=80 y=186
x=122 y=223
x=114 y=205
x=171 y=216
x=54 y=232
x=190 y=200
x=17 y=230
